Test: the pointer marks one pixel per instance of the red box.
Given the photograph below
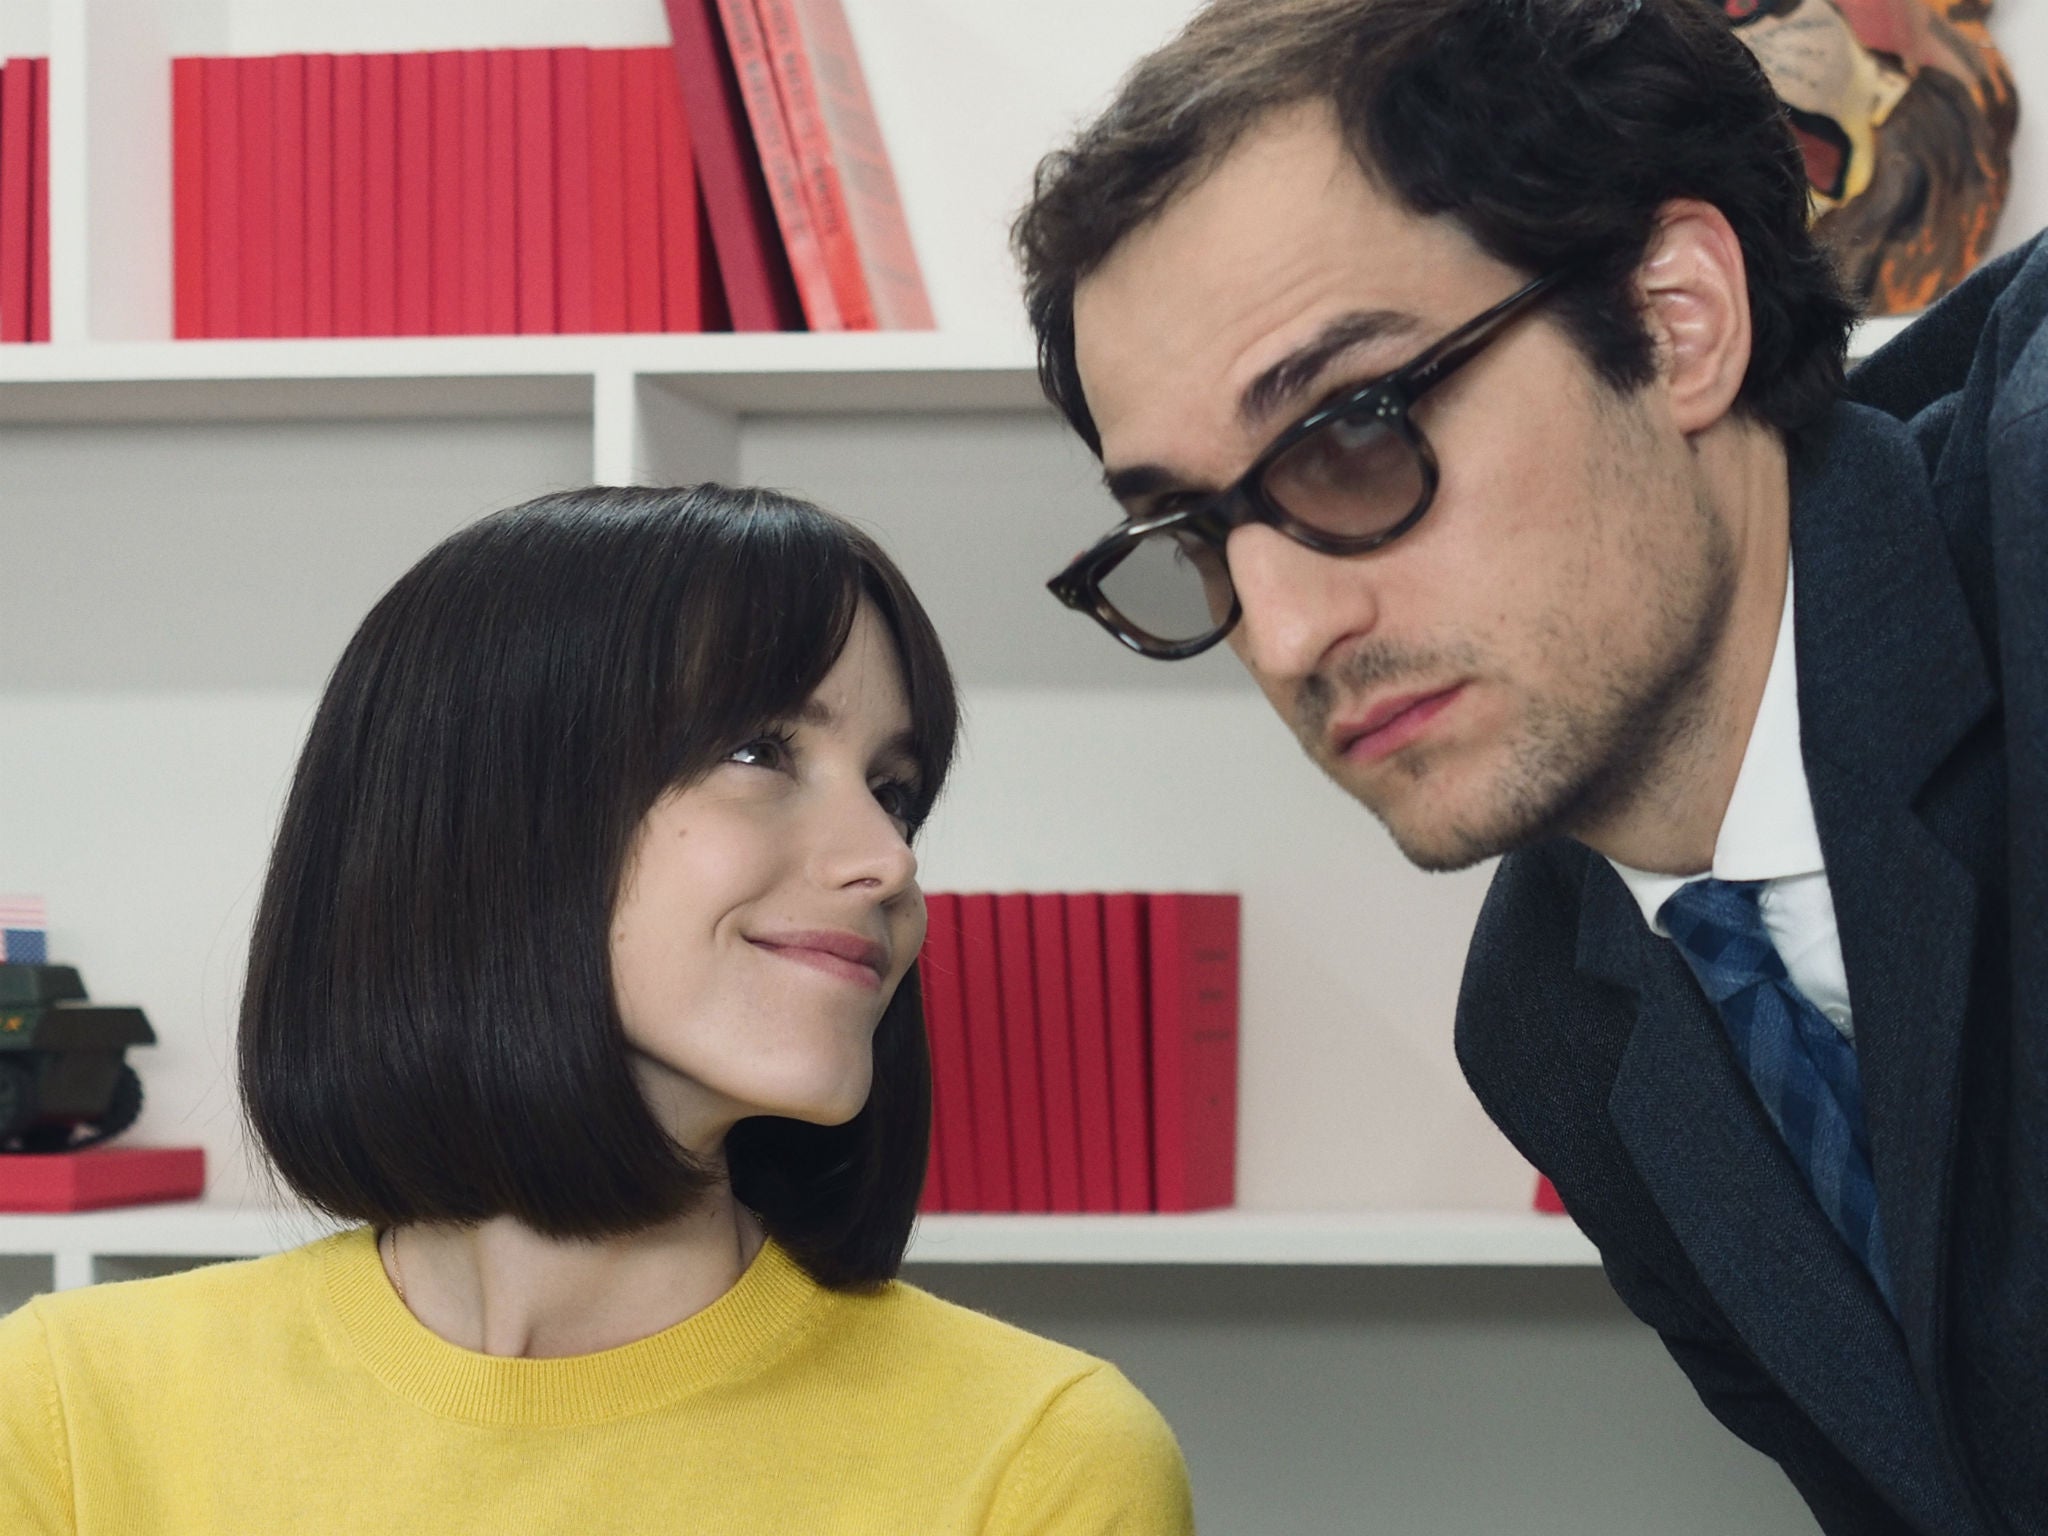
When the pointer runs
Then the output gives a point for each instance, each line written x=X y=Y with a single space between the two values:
x=100 y=1176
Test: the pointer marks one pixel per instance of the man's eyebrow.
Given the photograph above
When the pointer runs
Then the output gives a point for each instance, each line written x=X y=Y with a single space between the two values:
x=1306 y=363
x=1127 y=485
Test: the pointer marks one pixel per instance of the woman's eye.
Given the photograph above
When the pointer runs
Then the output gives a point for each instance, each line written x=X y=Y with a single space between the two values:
x=763 y=752
x=897 y=799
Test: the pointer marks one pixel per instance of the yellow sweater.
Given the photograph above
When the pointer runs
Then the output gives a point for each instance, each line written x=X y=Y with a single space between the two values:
x=297 y=1394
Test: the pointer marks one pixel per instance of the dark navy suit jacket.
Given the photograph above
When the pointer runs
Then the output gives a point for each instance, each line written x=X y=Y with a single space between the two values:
x=1920 y=540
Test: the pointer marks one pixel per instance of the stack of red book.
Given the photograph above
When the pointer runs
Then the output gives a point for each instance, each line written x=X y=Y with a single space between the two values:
x=1084 y=1051
x=25 y=200
x=735 y=177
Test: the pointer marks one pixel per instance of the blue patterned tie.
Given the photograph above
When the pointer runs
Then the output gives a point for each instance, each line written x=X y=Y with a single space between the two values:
x=1799 y=1064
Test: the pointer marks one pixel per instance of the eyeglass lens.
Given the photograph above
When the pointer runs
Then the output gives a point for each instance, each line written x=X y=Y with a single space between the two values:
x=1352 y=478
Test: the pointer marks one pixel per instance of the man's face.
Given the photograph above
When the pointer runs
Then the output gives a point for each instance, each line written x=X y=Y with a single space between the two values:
x=1519 y=663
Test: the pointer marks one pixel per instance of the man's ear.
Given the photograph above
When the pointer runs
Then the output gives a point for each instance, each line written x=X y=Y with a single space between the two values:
x=1694 y=293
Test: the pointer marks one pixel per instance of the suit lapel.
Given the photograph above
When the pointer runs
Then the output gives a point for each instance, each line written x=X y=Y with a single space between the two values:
x=1892 y=678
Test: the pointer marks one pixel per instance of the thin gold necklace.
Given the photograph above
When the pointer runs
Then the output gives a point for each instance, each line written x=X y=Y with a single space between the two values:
x=397 y=1274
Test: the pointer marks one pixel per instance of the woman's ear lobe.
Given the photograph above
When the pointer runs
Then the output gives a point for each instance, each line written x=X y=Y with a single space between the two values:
x=1694 y=291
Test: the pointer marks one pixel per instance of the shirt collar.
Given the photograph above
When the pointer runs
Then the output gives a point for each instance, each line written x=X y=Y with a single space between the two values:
x=1767 y=832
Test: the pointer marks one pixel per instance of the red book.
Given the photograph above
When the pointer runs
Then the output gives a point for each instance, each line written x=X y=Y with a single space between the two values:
x=415 y=194
x=476 y=193
x=945 y=1023
x=17 y=154
x=288 y=189
x=575 y=257
x=1056 y=1052
x=824 y=193
x=259 y=200
x=446 y=293
x=1194 y=1050
x=931 y=1195
x=100 y=1176
x=223 y=197
x=1130 y=1083
x=758 y=289
x=647 y=75
x=1090 y=1013
x=982 y=992
x=381 y=212
x=351 y=191
x=859 y=161
x=685 y=262
x=748 y=48
x=501 y=193
x=534 y=94
x=1018 y=973
x=607 y=190
x=717 y=310
x=39 y=207
x=1548 y=1201
x=319 y=194
x=188 y=197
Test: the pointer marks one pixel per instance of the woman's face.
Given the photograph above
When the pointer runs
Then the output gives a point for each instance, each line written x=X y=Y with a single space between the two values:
x=770 y=909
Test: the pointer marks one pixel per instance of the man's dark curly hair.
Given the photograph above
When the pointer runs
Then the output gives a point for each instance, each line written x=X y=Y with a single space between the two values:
x=1552 y=131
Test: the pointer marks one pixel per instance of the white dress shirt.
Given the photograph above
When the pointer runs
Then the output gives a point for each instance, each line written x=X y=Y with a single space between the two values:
x=1768 y=834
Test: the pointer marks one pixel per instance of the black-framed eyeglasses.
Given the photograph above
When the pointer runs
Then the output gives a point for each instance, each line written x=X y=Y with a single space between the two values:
x=1352 y=475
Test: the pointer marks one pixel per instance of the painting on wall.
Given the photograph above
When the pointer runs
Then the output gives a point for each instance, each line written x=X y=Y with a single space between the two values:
x=1904 y=112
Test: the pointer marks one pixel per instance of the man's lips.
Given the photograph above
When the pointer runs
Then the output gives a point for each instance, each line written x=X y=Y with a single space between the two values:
x=845 y=955
x=1389 y=725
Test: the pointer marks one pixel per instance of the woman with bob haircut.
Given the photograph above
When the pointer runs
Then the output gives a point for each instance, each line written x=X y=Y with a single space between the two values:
x=583 y=987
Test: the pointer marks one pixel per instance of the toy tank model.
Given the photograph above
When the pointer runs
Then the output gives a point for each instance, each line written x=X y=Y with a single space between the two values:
x=63 y=1083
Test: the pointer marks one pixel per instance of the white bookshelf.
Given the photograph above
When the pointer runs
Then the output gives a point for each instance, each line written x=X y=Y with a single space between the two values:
x=198 y=1230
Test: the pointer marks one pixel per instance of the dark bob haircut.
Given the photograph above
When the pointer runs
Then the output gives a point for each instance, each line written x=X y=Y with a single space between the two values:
x=1551 y=131
x=429 y=1031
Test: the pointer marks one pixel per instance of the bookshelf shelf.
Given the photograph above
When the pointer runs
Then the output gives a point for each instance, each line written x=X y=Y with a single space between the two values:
x=203 y=1230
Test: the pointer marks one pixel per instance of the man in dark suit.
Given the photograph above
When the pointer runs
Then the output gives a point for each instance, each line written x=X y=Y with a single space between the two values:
x=1468 y=366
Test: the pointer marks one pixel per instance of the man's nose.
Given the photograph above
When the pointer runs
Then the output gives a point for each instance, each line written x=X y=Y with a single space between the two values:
x=1296 y=604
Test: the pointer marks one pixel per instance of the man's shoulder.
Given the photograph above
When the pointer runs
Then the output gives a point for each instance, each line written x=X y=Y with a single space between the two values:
x=1524 y=949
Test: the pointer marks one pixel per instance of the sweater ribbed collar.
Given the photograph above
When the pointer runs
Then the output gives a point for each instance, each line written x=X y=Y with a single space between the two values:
x=771 y=1308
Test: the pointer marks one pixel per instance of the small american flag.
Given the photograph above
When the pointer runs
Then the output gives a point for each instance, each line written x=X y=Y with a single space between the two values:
x=24 y=930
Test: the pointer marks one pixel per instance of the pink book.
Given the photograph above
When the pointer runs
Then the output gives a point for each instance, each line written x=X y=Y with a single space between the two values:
x=381 y=211
x=1090 y=1013
x=319 y=194
x=881 y=233
x=574 y=254
x=647 y=73
x=446 y=291
x=753 y=270
x=534 y=92
x=981 y=980
x=259 y=197
x=223 y=197
x=824 y=191
x=686 y=262
x=748 y=47
x=475 y=319
x=188 y=197
x=607 y=190
x=1020 y=1051
x=415 y=194
x=1053 y=974
x=1194 y=970
x=945 y=1019
x=1130 y=1085
x=501 y=193
x=288 y=189
x=39 y=209
x=351 y=190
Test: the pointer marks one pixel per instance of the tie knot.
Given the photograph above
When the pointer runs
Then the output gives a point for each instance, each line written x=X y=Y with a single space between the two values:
x=1718 y=925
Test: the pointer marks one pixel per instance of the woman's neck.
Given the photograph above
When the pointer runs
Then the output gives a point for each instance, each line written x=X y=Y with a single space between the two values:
x=503 y=1289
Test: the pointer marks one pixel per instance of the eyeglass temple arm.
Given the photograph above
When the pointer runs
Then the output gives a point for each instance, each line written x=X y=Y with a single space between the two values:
x=1463 y=344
